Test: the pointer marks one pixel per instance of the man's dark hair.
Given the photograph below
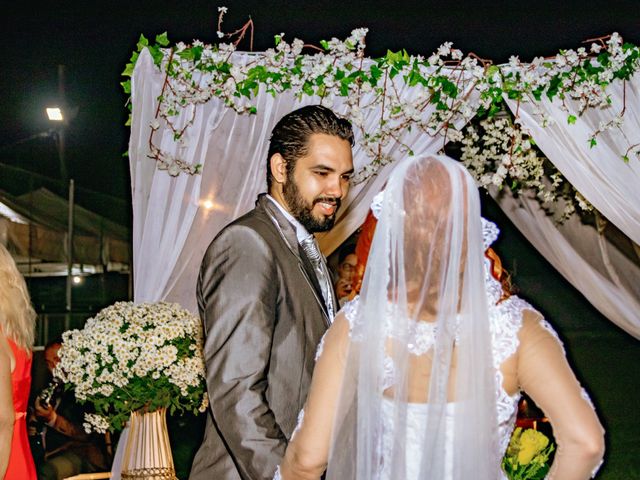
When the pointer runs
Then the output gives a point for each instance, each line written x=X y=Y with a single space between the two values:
x=51 y=343
x=290 y=136
x=345 y=251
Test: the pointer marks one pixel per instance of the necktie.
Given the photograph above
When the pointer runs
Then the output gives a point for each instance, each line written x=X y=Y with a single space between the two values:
x=310 y=247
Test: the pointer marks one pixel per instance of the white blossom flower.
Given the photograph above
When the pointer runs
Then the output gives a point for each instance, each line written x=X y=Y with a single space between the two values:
x=434 y=59
x=141 y=337
x=444 y=49
x=96 y=423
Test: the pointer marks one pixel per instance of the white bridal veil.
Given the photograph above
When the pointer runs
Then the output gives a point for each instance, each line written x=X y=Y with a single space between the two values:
x=419 y=375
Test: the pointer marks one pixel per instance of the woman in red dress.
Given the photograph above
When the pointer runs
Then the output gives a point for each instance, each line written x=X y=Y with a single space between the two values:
x=17 y=321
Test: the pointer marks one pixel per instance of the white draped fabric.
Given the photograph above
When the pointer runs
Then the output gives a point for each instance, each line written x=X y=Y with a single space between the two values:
x=606 y=274
x=598 y=173
x=175 y=218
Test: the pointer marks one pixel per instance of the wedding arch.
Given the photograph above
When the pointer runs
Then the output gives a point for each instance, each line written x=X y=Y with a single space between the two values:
x=555 y=141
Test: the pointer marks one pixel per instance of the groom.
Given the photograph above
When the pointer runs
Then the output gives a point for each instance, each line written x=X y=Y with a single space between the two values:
x=266 y=299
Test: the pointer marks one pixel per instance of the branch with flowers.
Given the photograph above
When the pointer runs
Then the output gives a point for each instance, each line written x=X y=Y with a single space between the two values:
x=499 y=152
x=456 y=87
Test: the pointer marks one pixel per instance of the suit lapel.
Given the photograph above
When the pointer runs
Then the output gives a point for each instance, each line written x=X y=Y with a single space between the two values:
x=288 y=234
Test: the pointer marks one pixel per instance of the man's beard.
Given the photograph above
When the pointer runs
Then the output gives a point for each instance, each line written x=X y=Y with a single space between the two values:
x=302 y=211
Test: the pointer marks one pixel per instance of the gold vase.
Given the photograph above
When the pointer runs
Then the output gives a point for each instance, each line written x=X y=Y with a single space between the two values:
x=147 y=452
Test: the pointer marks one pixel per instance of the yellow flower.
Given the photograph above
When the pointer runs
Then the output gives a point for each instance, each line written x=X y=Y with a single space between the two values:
x=514 y=443
x=532 y=442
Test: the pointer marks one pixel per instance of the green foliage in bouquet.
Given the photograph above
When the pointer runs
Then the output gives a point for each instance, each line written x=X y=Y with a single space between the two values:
x=135 y=356
x=527 y=455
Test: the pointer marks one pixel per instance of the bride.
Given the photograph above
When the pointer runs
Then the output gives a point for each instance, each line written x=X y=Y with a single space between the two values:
x=420 y=376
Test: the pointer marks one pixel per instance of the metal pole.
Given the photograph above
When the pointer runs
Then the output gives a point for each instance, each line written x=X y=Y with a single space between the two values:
x=61 y=130
x=61 y=147
x=70 y=192
x=67 y=322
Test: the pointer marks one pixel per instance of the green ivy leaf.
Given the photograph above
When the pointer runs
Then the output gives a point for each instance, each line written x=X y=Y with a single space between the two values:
x=604 y=59
x=142 y=42
x=308 y=88
x=571 y=119
x=156 y=54
x=193 y=53
x=128 y=70
x=415 y=78
x=449 y=88
x=162 y=39
x=491 y=71
x=514 y=95
x=537 y=93
x=197 y=52
x=554 y=86
x=592 y=142
x=391 y=57
x=324 y=44
x=493 y=109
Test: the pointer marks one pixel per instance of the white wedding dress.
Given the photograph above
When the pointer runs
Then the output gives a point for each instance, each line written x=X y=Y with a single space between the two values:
x=505 y=323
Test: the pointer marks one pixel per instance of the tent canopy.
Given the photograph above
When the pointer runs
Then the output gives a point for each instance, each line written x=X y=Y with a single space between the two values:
x=33 y=227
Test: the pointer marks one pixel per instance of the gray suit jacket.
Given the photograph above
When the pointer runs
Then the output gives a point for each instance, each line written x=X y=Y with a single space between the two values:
x=263 y=317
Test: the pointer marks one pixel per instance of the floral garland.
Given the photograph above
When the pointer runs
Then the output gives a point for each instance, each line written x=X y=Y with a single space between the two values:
x=456 y=87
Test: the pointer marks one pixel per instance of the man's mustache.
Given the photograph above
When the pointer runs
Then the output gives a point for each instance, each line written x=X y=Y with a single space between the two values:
x=330 y=200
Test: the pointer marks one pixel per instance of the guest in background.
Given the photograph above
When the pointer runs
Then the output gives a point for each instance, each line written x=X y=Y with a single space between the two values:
x=363 y=245
x=69 y=450
x=347 y=265
x=17 y=323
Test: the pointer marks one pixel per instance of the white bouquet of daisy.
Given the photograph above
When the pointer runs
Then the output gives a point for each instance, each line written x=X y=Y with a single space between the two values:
x=133 y=357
